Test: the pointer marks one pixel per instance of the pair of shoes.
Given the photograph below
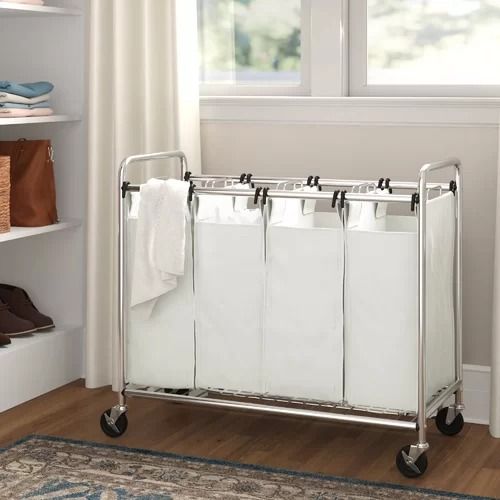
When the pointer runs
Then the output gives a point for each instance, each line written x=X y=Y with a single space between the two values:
x=4 y=340
x=18 y=314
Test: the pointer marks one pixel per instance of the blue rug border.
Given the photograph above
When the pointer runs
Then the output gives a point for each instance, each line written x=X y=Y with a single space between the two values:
x=243 y=466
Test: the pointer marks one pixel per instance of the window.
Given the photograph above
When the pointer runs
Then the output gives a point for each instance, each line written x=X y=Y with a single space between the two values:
x=336 y=48
x=425 y=47
x=253 y=46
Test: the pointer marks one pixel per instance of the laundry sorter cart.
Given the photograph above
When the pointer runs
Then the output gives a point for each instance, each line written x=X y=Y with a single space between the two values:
x=350 y=314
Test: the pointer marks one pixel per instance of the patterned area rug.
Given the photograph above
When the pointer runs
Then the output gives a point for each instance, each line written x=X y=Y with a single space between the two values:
x=45 y=467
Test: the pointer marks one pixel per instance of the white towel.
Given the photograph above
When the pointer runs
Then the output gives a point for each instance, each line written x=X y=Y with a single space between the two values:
x=18 y=99
x=160 y=240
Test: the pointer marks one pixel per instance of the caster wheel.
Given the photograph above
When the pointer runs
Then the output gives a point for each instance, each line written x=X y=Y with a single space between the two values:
x=411 y=470
x=116 y=429
x=449 y=429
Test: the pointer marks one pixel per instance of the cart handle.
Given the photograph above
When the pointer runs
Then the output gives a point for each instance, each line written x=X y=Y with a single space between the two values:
x=129 y=160
x=430 y=167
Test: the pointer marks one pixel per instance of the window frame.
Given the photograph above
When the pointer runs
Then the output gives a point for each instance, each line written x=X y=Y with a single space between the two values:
x=301 y=89
x=358 y=68
x=334 y=62
x=323 y=57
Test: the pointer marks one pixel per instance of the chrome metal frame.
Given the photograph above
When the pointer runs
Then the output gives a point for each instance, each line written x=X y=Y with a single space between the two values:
x=424 y=409
x=121 y=407
x=427 y=409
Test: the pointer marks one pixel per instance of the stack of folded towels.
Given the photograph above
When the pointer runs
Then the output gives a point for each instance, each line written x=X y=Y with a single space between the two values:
x=25 y=99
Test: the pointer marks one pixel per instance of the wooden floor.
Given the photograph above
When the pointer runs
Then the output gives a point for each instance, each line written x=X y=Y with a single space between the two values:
x=469 y=463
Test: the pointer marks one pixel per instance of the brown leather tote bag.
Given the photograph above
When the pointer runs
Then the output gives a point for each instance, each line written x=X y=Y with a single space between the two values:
x=33 y=189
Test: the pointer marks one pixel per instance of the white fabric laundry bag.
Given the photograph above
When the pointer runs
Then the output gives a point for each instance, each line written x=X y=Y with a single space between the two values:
x=229 y=298
x=303 y=325
x=160 y=346
x=381 y=309
x=290 y=211
x=367 y=215
x=441 y=233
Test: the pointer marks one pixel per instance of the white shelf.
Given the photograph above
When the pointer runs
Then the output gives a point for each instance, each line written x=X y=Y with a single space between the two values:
x=40 y=119
x=36 y=364
x=17 y=233
x=19 y=9
x=32 y=339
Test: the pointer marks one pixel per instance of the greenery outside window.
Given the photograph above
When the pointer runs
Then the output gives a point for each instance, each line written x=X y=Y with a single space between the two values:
x=253 y=46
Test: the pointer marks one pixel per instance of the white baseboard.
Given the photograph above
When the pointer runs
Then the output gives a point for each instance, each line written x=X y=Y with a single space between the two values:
x=477 y=394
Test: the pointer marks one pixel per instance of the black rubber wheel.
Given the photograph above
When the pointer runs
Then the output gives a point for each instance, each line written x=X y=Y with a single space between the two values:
x=405 y=469
x=449 y=429
x=121 y=425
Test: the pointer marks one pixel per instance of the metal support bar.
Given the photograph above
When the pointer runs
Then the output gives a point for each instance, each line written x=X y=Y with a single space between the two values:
x=459 y=368
x=275 y=410
x=421 y=376
x=302 y=195
x=277 y=183
x=324 y=182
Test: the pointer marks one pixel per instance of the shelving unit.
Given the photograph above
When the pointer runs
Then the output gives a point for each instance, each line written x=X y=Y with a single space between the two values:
x=48 y=43
x=33 y=120
x=50 y=359
x=13 y=9
x=17 y=233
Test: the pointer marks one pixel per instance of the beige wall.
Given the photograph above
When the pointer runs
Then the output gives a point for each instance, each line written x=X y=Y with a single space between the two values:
x=373 y=152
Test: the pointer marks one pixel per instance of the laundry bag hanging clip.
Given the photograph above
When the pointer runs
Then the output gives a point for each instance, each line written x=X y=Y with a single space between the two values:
x=256 y=196
x=191 y=191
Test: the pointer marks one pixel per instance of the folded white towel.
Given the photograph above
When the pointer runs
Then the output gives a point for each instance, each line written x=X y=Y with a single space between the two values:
x=160 y=240
x=18 y=99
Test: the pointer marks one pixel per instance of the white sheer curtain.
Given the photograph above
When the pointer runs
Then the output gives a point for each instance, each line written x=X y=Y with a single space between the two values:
x=143 y=97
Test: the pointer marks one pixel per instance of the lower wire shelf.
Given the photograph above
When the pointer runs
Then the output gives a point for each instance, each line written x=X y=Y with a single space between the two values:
x=339 y=412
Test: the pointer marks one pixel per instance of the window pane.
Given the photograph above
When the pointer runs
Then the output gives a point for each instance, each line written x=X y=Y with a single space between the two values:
x=250 y=41
x=440 y=42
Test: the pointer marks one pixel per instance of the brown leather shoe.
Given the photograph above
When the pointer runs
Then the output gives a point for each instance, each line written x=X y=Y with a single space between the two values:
x=11 y=325
x=4 y=340
x=20 y=304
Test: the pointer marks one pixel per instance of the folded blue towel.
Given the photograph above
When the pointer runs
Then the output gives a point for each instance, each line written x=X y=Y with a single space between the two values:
x=15 y=105
x=26 y=89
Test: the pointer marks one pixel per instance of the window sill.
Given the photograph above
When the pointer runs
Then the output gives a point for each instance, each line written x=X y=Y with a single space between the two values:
x=424 y=111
